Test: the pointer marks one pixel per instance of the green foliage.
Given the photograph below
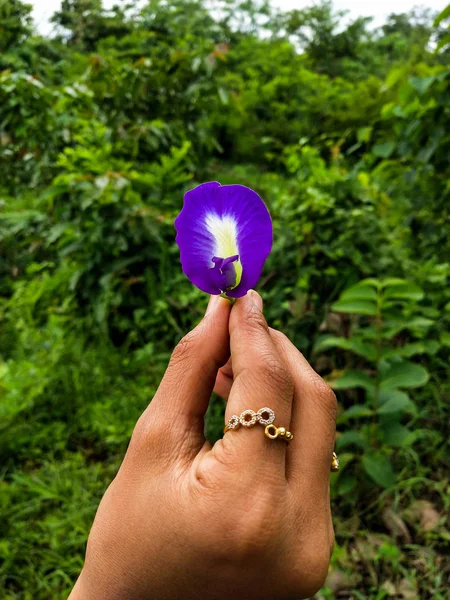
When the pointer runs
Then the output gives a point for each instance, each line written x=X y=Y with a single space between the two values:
x=343 y=130
x=15 y=23
x=386 y=328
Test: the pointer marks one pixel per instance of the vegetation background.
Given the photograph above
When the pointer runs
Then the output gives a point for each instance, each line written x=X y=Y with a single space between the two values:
x=344 y=131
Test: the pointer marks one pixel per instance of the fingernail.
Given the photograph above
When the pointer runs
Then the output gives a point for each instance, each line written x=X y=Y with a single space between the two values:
x=256 y=299
x=211 y=304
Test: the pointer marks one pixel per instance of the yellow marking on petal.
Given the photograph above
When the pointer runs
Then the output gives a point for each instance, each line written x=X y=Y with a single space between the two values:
x=238 y=269
x=224 y=231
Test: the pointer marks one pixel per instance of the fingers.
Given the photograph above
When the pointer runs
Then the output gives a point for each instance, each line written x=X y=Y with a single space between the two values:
x=184 y=393
x=224 y=381
x=313 y=419
x=260 y=376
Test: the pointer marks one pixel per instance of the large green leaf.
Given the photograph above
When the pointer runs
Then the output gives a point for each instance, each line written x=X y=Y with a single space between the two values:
x=353 y=345
x=356 y=412
x=354 y=379
x=404 y=375
x=379 y=468
x=361 y=291
x=395 y=401
x=394 y=433
x=403 y=291
x=359 y=307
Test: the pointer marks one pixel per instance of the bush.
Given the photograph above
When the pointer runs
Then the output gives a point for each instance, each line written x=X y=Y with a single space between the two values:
x=102 y=129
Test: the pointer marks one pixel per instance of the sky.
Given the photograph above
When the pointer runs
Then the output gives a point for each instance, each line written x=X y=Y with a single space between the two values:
x=43 y=9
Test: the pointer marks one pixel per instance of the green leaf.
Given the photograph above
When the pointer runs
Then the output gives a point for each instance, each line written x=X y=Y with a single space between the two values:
x=403 y=291
x=445 y=338
x=418 y=324
x=359 y=292
x=392 y=281
x=394 y=433
x=421 y=84
x=356 y=412
x=361 y=307
x=445 y=14
x=223 y=95
x=431 y=347
x=395 y=401
x=362 y=349
x=350 y=438
x=364 y=134
x=379 y=468
x=346 y=484
x=412 y=349
x=371 y=281
x=444 y=41
x=354 y=379
x=404 y=374
x=384 y=149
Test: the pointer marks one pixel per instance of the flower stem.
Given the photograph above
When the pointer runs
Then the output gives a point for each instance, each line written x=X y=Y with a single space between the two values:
x=231 y=300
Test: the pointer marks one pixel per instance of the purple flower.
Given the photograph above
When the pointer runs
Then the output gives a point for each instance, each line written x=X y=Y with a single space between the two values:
x=225 y=235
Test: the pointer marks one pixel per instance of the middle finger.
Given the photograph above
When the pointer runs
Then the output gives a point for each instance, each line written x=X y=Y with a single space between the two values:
x=261 y=379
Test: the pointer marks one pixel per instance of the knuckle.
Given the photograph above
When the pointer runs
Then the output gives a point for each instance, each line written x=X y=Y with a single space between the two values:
x=278 y=374
x=184 y=349
x=154 y=428
x=311 y=569
x=279 y=336
x=269 y=375
x=327 y=397
x=147 y=431
x=254 y=320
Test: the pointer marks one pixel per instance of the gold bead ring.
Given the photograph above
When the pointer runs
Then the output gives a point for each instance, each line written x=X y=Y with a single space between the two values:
x=265 y=416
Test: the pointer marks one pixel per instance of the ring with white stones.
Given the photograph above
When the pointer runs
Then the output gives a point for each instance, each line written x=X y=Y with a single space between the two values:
x=266 y=417
x=249 y=418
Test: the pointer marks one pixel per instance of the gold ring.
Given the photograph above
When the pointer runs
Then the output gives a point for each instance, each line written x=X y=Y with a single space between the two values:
x=249 y=418
x=273 y=432
x=335 y=466
x=264 y=416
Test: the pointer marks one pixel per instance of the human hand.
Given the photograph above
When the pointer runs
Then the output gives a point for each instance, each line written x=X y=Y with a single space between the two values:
x=246 y=518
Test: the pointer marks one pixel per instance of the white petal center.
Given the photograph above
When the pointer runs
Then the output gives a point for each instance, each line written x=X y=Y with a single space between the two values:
x=224 y=230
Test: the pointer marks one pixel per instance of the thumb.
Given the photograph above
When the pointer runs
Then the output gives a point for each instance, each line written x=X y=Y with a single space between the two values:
x=186 y=387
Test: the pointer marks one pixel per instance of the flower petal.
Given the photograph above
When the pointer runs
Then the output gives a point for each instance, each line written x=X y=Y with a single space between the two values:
x=227 y=270
x=254 y=237
x=223 y=222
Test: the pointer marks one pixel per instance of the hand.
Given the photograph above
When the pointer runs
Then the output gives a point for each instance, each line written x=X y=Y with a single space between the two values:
x=246 y=518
